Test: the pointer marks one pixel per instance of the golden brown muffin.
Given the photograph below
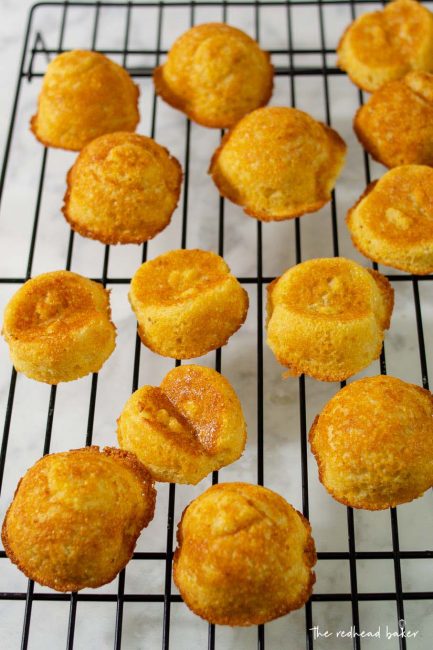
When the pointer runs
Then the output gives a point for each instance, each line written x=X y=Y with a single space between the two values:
x=58 y=327
x=392 y=222
x=122 y=189
x=396 y=125
x=84 y=94
x=385 y=45
x=373 y=443
x=186 y=428
x=187 y=303
x=76 y=516
x=326 y=317
x=215 y=74
x=278 y=163
x=244 y=555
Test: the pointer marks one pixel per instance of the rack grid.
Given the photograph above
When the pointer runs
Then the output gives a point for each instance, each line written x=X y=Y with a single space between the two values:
x=35 y=49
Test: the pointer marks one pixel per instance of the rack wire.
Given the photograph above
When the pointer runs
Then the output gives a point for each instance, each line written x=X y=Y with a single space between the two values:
x=36 y=49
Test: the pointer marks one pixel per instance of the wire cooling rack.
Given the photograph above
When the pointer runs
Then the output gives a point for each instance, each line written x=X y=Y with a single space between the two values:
x=374 y=572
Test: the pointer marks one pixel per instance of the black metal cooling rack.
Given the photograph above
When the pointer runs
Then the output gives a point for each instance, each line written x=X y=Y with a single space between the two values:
x=324 y=71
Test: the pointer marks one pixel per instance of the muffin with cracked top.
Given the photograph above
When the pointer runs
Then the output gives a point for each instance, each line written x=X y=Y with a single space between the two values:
x=190 y=425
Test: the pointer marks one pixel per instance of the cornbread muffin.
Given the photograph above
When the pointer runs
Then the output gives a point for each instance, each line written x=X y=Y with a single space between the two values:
x=326 y=317
x=58 y=327
x=244 y=555
x=396 y=124
x=122 y=189
x=187 y=303
x=392 y=222
x=278 y=163
x=215 y=74
x=189 y=426
x=76 y=516
x=84 y=94
x=385 y=45
x=373 y=443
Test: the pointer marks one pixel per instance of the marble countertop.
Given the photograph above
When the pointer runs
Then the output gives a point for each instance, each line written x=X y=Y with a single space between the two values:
x=143 y=622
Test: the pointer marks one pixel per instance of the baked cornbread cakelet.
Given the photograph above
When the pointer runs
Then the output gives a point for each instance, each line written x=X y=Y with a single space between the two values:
x=327 y=316
x=392 y=222
x=396 y=124
x=122 y=189
x=189 y=426
x=244 y=555
x=76 y=517
x=187 y=303
x=215 y=74
x=58 y=327
x=84 y=94
x=385 y=45
x=278 y=163
x=373 y=443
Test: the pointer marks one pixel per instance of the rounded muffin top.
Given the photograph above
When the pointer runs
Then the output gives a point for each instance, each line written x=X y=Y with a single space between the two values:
x=84 y=94
x=76 y=516
x=373 y=442
x=123 y=188
x=278 y=163
x=215 y=74
x=244 y=555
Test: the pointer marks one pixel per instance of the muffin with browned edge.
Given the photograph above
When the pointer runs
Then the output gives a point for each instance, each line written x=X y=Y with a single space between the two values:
x=58 y=327
x=396 y=124
x=215 y=74
x=327 y=317
x=187 y=303
x=385 y=45
x=278 y=163
x=76 y=516
x=84 y=94
x=244 y=555
x=392 y=222
x=373 y=443
x=190 y=425
x=122 y=189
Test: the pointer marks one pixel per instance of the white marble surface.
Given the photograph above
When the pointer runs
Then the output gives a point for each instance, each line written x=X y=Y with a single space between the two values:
x=142 y=628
